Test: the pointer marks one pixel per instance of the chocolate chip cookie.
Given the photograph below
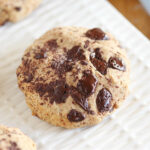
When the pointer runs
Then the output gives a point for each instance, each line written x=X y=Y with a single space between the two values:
x=14 y=139
x=74 y=77
x=15 y=10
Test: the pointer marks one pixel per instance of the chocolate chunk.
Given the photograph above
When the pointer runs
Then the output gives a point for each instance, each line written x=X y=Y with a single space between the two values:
x=116 y=63
x=17 y=8
x=65 y=49
x=57 y=91
x=76 y=53
x=75 y=116
x=40 y=55
x=100 y=65
x=87 y=42
x=80 y=99
x=28 y=66
x=82 y=62
x=26 y=63
x=97 y=53
x=13 y=146
x=96 y=34
x=87 y=84
x=62 y=67
x=60 y=93
x=43 y=88
x=103 y=100
x=27 y=54
x=98 y=62
x=65 y=66
x=28 y=77
x=52 y=45
x=9 y=135
x=41 y=103
x=3 y=139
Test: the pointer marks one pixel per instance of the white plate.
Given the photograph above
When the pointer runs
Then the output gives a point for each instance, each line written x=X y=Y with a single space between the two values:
x=128 y=128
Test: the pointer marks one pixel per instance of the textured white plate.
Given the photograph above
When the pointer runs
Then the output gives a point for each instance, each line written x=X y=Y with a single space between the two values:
x=128 y=128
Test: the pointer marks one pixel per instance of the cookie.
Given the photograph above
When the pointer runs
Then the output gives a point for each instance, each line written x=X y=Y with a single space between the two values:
x=15 y=10
x=14 y=139
x=73 y=77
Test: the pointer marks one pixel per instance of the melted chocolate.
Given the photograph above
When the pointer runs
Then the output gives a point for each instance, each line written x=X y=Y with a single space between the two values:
x=62 y=68
x=52 y=45
x=13 y=146
x=103 y=100
x=40 y=55
x=80 y=99
x=76 y=53
x=75 y=116
x=85 y=87
x=57 y=91
x=87 y=42
x=26 y=63
x=97 y=53
x=116 y=63
x=28 y=77
x=18 y=8
x=98 y=62
x=87 y=84
x=27 y=67
x=96 y=34
x=60 y=93
x=42 y=89
x=82 y=62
